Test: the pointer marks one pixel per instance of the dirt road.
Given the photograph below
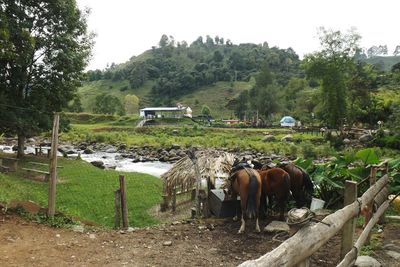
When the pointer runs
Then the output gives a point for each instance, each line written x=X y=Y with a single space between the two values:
x=208 y=243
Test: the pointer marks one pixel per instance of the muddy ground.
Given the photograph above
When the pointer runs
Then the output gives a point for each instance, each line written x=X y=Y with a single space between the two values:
x=188 y=243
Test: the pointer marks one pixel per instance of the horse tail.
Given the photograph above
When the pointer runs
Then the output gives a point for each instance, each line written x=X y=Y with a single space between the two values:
x=252 y=195
x=308 y=184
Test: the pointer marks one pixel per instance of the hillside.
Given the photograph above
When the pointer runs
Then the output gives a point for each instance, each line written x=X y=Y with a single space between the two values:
x=210 y=72
x=384 y=62
x=233 y=80
x=216 y=96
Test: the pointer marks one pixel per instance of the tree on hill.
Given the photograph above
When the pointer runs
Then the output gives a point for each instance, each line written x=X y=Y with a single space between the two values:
x=205 y=110
x=375 y=51
x=396 y=51
x=108 y=104
x=44 y=49
x=131 y=104
x=76 y=105
x=331 y=65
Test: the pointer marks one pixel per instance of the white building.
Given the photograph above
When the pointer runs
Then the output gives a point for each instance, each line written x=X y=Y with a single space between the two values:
x=166 y=112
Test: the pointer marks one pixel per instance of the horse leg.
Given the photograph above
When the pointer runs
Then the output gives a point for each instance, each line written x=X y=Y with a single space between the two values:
x=299 y=198
x=263 y=207
x=237 y=206
x=243 y=204
x=257 y=213
x=282 y=207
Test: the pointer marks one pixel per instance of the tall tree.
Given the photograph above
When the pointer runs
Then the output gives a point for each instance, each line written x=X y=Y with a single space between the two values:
x=331 y=65
x=131 y=104
x=263 y=96
x=108 y=104
x=44 y=47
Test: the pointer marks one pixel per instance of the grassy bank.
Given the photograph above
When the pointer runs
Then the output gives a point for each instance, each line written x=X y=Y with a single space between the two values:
x=188 y=136
x=87 y=192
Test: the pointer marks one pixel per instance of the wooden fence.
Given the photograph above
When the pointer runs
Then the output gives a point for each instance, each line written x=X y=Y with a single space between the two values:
x=297 y=250
x=174 y=200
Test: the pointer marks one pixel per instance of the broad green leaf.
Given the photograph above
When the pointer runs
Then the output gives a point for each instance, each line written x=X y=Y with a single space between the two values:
x=368 y=156
x=303 y=163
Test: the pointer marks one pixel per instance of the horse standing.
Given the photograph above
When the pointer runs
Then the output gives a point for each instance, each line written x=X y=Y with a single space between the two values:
x=301 y=185
x=247 y=184
x=275 y=185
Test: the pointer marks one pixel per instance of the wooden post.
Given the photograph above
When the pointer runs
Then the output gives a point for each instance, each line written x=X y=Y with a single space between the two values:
x=174 y=199
x=368 y=216
x=53 y=167
x=350 y=258
x=117 y=205
x=192 y=156
x=198 y=184
x=350 y=195
x=165 y=202
x=124 y=208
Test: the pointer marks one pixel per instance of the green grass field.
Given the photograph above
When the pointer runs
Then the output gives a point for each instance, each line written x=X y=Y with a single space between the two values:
x=87 y=192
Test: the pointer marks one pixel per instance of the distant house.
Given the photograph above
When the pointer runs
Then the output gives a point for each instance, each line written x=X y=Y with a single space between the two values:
x=288 y=121
x=166 y=112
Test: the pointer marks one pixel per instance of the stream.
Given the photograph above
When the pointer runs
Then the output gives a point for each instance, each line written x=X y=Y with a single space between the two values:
x=111 y=160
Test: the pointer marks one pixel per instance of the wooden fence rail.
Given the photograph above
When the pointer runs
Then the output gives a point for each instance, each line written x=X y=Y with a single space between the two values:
x=167 y=199
x=310 y=238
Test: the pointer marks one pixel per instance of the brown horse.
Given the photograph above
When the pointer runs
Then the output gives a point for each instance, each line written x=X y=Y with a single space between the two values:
x=247 y=184
x=301 y=185
x=275 y=185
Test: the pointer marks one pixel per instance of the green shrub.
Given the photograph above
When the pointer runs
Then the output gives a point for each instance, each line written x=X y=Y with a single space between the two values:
x=308 y=150
x=390 y=141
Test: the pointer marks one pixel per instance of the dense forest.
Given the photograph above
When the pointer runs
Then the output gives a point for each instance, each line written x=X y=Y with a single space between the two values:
x=278 y=81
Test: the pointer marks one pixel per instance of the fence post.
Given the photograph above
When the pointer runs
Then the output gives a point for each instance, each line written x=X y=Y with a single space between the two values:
x=368 y=216
x=53 y=167
x=124 y=208
x=165 y=197
x=117 y=205
x=174 y=199
x=193 y=158
x=350 y=195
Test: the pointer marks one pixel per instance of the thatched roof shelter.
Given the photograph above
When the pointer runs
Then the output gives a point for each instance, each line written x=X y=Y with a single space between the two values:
x=211 y=164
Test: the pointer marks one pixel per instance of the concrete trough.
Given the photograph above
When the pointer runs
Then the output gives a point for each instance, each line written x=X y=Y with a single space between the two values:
x=222 y=206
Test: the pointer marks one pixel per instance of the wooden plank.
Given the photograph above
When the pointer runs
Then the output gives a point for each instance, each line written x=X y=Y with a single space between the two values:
x=42 y=164
x=124 y=208
x=311 y=237
x=34 y=170
x=350 y=195
x=53 y=167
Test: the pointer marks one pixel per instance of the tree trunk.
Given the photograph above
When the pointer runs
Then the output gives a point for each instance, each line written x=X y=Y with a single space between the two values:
x=21 y=145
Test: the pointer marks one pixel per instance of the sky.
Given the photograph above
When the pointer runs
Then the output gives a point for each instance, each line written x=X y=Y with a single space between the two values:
x=126 y=28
